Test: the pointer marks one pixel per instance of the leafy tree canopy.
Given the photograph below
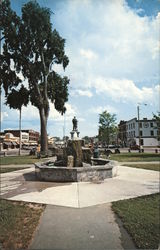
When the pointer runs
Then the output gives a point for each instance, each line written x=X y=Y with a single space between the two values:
x=107 y=126
x=30 y=50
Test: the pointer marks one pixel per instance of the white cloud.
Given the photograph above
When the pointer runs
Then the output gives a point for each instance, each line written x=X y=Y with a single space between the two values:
x=100 y=109
x=56 y=116
x=30 y=113
x=124 y=90
x=89 y=54
x=124 y=44
x=4 y=115
x=80 y=92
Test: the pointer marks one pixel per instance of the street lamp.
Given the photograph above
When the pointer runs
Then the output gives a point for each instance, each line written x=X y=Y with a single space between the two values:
x=138 y=114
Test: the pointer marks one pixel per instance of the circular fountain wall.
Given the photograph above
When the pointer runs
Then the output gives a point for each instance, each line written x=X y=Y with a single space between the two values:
x=98 y=171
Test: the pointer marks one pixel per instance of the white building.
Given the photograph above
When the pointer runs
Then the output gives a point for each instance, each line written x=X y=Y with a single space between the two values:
x=148 y=132
x=24 y=137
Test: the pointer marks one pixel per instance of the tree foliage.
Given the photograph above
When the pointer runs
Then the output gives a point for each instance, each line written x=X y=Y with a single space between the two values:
x=30 y=50
x=107 y=127
x=17 y=98
x=157 y=118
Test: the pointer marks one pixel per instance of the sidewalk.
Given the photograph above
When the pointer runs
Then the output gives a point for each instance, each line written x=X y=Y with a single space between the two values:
x=78 y=216
x=129 y=183
x=17 y=166
x=92 y=228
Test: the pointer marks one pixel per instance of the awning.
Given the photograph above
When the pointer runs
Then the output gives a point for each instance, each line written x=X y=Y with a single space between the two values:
x=14 y=143
x=7 y=143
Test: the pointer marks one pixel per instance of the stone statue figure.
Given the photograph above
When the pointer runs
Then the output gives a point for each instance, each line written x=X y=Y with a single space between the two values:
x=74 y=121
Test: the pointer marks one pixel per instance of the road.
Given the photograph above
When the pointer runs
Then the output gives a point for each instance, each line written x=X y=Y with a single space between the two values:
x=14 y=152
x=125 y=150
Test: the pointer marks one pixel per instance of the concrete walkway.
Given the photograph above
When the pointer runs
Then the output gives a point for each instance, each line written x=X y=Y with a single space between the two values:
x=92 y=228
x=78 y=216
x=130 y=182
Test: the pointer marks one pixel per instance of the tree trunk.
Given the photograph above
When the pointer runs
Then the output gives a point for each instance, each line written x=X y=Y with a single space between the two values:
x=44 y=138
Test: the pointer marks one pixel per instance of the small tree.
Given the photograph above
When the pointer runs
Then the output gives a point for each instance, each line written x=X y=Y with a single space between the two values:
x=31 y=48
x=16 y=99
x=86 y=139
x=107 y=126
x=157 y=118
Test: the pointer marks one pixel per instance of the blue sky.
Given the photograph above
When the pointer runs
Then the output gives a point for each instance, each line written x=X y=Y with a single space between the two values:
x=114 y=62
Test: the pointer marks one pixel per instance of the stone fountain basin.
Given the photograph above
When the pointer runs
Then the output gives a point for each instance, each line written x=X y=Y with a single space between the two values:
x=46 y=172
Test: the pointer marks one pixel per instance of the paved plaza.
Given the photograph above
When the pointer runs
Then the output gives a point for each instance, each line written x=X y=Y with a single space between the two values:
x=130 y=182
x=79 y=215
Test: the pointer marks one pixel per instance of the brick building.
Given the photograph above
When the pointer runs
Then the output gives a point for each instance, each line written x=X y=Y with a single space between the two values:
x=122 y=133
x=33 y=135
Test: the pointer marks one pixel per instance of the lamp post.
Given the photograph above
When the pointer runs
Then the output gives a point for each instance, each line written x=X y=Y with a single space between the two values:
x=20 y=131
x=138 y=114
x=139 y=136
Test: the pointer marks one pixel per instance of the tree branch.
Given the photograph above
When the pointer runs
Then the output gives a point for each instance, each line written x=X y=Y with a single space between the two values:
x=45 y=87
x=45 y=75
x=2 y=38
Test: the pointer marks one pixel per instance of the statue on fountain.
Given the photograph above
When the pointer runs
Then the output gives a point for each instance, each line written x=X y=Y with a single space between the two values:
x=74 y=132
x=75 y=122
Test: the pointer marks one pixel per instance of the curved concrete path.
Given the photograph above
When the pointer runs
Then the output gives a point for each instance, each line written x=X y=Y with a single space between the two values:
x=129 y=183
x=78 y=216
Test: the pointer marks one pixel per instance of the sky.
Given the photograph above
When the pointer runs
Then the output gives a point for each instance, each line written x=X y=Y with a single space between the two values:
x=113 y=49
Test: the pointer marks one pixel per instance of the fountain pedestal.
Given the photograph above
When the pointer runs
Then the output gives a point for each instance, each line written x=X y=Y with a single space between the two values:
x=74 y=134
x=74 y=148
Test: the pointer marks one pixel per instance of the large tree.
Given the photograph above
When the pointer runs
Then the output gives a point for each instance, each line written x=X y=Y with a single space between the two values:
x=107 y=126
x=31 y=48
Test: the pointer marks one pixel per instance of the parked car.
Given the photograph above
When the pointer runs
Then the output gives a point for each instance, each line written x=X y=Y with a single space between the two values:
x=134 y=147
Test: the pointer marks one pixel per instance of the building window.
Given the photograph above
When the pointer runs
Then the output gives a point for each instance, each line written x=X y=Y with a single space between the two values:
x=140 y=125
x=134 y=133
x=151 y=124
x=152 y=132
x=133 y=125
x=141 y=133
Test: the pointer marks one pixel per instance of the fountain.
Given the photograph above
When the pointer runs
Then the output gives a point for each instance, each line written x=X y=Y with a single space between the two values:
x=75 y=164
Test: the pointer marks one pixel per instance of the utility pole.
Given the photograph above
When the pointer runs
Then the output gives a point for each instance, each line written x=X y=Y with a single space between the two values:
x=139 y=136
x=64 y=130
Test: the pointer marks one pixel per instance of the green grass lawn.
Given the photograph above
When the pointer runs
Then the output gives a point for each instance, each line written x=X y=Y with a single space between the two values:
x=135 y=157
x=9 y=169
x=141 y=218
x=123 y=157
x=148 y=166
x=24 y=159
x=18 y=221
